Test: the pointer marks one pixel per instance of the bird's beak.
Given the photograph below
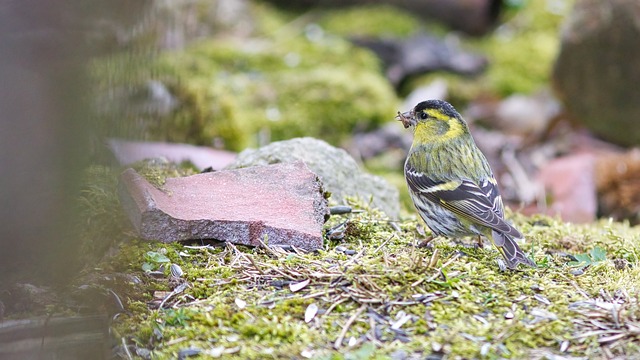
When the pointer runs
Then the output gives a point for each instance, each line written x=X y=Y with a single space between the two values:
x=407 y=118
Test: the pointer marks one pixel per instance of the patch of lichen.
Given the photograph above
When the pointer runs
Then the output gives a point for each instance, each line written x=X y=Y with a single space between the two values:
x=244 y=301
x=285 y=83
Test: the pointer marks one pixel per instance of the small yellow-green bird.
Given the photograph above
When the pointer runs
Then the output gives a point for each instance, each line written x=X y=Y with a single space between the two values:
x=451 y=183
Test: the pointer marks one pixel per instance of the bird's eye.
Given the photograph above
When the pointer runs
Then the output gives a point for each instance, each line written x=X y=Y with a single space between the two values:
x=423 y=116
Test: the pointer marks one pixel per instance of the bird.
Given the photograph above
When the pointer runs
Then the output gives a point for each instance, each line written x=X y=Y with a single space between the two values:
x=451 y=182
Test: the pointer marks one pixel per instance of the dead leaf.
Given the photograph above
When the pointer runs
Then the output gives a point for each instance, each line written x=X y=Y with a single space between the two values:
x=241 y=304
x=299 y=286
x=311 y=312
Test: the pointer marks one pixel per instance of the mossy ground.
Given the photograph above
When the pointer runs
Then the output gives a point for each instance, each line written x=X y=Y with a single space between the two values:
x=379 y=292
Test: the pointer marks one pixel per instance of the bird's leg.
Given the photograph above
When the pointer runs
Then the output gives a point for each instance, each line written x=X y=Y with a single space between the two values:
x=480 y=244
x=425 y=242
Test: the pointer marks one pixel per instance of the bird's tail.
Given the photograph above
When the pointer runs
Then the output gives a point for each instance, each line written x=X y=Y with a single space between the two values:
x=510 y=250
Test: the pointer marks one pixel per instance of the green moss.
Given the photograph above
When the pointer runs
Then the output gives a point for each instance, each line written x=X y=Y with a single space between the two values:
x=373 y=20
x=521 y=64
x=284 y=86
x=101 y=214
x=157 y=170
x=523 y=49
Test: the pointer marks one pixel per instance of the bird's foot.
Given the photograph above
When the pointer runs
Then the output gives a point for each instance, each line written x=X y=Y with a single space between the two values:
x=425 y=242
x=502 y=265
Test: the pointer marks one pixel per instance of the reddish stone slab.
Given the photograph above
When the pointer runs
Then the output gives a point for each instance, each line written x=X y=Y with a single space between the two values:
x=128 y=152
x=570 y=182
x=280 y=204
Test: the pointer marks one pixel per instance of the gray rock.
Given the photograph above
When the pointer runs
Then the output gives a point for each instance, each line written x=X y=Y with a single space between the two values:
x=338 y=171
x=279 y=204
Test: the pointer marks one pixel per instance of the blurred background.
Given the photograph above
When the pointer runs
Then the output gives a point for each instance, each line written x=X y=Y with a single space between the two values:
x=549 y=88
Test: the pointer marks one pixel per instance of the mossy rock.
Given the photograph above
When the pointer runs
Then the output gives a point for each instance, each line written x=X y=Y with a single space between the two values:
x=520 y=54
x=522 y=51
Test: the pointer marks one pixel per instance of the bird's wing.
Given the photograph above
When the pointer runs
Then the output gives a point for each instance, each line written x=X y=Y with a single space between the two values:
x=490 y=187
x=480 y=204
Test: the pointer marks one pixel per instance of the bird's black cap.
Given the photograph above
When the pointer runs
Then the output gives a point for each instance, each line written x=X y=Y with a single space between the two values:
x=441 y=105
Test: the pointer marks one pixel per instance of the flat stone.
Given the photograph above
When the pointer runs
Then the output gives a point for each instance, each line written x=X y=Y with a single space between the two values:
x=339 y=172
x=281 y=204
x=202 y=157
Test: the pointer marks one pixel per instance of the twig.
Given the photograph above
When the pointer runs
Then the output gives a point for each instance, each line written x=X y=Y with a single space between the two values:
x=244 y=256
x=126 y=349
x=346 y=327
x=280 y=271
x=438 y=273
x=575 y=286
x=434 y=258
x=253 y=263
x=417 y=282
x=180 y=288
x=354 y=258
x=268 y=249
x=310 y=296
x=333 y=306
x=383 y=244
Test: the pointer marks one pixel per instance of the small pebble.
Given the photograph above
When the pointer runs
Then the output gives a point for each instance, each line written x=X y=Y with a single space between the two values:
x=577 y=272
x=185 y=353
x=509 y=315
x=537 y=287
x=484 y=350
x=520 y=298
x=156 y=274
x=435 y=346
x=307 y=353
x=352 y=341
x=241 y=304
x=157 y=334
x=542 y=299
x=339 y=210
